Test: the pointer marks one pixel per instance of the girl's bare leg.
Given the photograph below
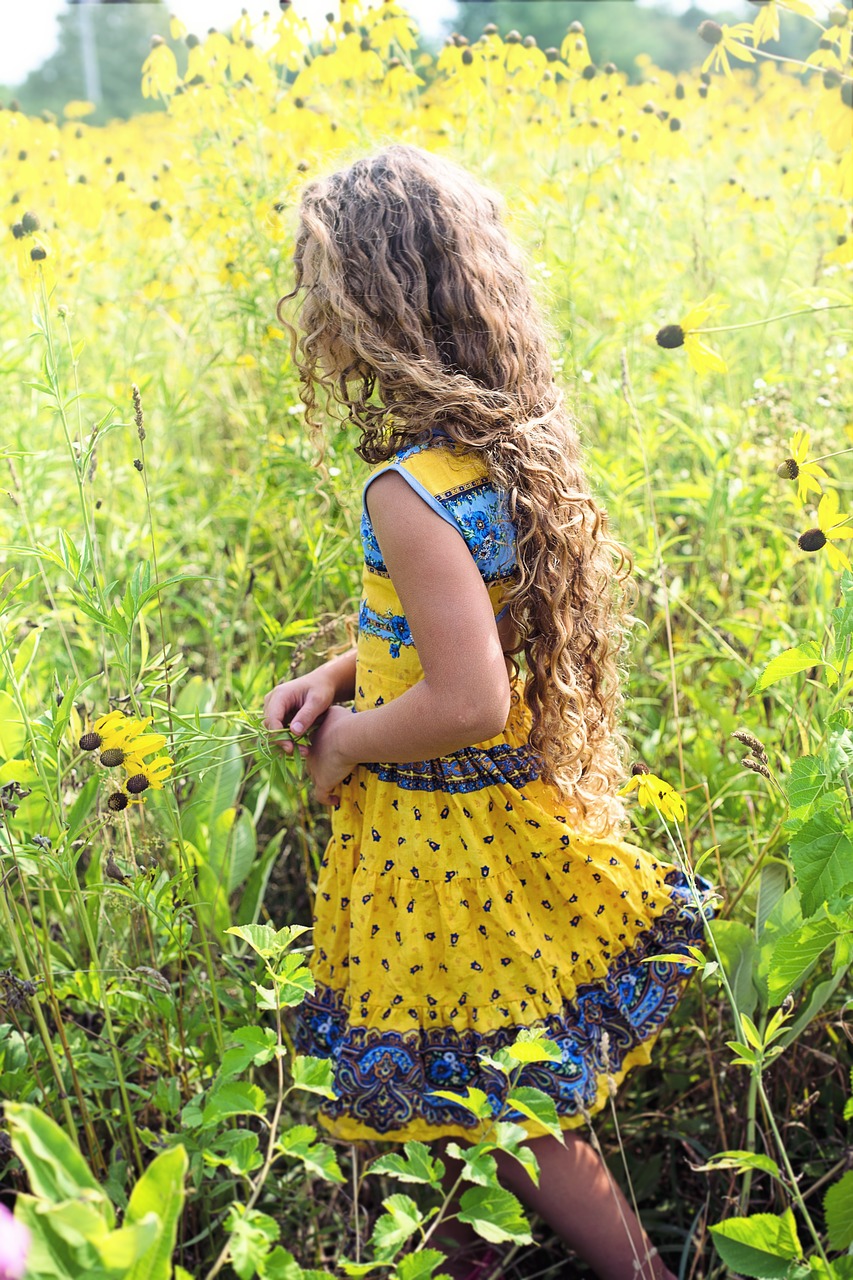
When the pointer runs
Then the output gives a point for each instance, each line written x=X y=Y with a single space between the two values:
x=578 y=1199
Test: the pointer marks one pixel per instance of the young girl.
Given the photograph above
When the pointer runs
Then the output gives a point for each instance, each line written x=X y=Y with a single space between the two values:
x=477 y=881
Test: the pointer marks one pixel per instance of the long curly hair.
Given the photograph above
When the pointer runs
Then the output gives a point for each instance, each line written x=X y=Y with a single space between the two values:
x=418 y=316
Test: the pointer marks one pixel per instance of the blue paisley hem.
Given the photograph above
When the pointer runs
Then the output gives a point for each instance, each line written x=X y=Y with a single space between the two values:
x=468 y=770
x=385 y=1079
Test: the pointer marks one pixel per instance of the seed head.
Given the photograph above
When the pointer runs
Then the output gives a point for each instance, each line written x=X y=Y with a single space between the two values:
x=137 y=462
x=490 y=29
x=757 y=767
x=118 y=801
x=749 y=740
x=552 y=54
x=610 y=68
x=675 y=124
x=138 y=416
x=512 y=37
x=812 y=540
x=529 y=42
x=847 y=93
x=157 y=40
x=789 y=469
x=576 y=28
x=680 y=91
x=711 y=32
x=467 y=57
x=38 y=254
x=113 y=757
x=137 y=784
x=90 y=741
x=670 y=336
x=639 y=767
x=18 y=230
x=30 y=222
x=588 y=72
x=838 y=16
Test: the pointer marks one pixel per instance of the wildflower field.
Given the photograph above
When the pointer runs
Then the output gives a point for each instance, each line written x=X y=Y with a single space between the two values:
x=168 y=550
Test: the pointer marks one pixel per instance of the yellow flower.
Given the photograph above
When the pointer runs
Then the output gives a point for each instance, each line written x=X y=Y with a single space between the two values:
x=143 y=774
x=652 y=790
x=726 y=40
x=807 y=474
x=123 y=736
x=702 y=358
x=830 y=527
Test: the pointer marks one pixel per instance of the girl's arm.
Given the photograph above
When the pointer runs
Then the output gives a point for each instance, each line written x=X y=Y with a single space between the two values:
x=464 y=696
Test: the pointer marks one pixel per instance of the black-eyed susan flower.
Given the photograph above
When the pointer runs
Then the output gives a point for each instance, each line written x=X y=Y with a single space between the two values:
x=830 y=528
x=127 y=734
x=652 y=790
x=143 y=774
x=726 y=40
x=808 y=475
x=702 y=358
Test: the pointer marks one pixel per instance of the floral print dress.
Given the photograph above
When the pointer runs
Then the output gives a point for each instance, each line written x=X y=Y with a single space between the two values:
x=455 y=905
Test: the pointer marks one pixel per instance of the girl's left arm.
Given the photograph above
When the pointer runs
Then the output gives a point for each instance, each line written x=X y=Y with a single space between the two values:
x=464 y=696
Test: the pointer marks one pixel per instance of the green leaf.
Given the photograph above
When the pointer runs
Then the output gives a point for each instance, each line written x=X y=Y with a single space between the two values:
x=160 y=1190
x=740 y=1160
x=252 y=1233
x=233 y=1098
x=806 y=780
x=418 y=1165
x=480 y=1164
x=247 y=1045
x=495 y=1214
x=314 y=1075
x=537 y=1106
x=838 y=1207
x=120 y=1249
x=268 y=941
x=795 y=954
x=396 y=1226
x=533 y=1047
x=772 y=884
x=761 y=1246
x=800 y=658
x=281 y=1265
x=475 y=1101
x=822 y=854
x=50 y=1256
x=294 y=979
x=318 y=1157
x=54 y=1165
x=13 y=733
x=421 y=1265
x=736 y=944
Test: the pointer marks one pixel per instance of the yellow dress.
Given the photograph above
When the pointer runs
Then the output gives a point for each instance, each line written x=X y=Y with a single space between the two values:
x=455 y=906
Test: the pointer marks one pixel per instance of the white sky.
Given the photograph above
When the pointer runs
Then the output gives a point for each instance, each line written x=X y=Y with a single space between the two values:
x=28 y=36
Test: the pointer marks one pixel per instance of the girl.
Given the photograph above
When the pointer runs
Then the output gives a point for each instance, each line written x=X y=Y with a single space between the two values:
x=477 y=880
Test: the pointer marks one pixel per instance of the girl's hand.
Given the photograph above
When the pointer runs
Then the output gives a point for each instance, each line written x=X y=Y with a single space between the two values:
x=298 y=704
x=324 y=760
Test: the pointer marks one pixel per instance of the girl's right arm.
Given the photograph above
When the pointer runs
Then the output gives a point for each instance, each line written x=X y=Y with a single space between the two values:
x=299 y=703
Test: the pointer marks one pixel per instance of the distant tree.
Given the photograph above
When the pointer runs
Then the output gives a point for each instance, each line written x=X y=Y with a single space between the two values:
x=122 y=31
x=616 y=31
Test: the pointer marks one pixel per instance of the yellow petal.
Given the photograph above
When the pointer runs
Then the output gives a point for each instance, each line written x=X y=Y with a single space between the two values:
x=702 y=357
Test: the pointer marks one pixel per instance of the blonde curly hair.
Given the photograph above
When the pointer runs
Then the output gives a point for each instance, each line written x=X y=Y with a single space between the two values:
x=420 y=308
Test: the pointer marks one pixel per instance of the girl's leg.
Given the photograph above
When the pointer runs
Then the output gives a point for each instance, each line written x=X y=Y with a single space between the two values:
x=579 y=1200
x=576 y=1197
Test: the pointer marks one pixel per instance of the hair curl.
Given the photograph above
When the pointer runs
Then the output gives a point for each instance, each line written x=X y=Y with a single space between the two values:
x=420 y=307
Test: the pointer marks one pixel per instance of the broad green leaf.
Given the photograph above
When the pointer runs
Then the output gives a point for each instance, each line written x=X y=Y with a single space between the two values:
x=533 y=1051
x=838 y=1207
x=396 y=1226
x=495 y=1214
x=236 y=1150
x=120 y=1249
x=421 y=1266
x=318 y=1157
x=242 y=848
x=252 y=1234
x=281 y=1265
x=736 y=944
x=13 y=733
x=480 y=1164
x=806 y=780
x=233 y=1098
x=268 y=941
x=51 y=1257
x=418 y=1166
x=800 y=658
x=761 y=1246
x=294 y=979
x=314 y=1075
x=822 y=854
x=247 y=1045
x=794 y=955
x=475 y=1101
x=537 y=1106
x=818 y=997
x=54 y=1165
x=160 y=1191
x=772 y=884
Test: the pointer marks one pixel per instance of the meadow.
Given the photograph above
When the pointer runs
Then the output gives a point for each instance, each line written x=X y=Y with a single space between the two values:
x=169 y=549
